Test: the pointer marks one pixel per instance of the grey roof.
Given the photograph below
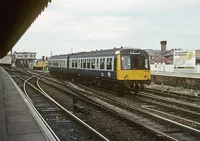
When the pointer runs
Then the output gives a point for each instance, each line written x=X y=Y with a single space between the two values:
x=24 y=52
x=99 y=53
x=150 y=51
x=62 y=56
x=169 y=52
x=106 y=52
x=153 y=52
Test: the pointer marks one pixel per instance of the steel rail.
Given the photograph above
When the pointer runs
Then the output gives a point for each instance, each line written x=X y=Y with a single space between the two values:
x=68 y=112
x=151 y=96
x=46 y=130
x=168 y=93
x=196 y=131
x=148 y=127
x=28 y=98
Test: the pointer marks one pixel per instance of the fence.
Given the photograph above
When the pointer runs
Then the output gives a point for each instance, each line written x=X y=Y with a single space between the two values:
x=170 y=68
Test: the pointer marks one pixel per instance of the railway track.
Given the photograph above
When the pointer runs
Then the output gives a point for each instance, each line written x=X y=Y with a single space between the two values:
x=143 y=117
x=61 y=121
x=185 y=121
x=187 y=129
x=172 y=106
x=170 y=94
x=135 y=137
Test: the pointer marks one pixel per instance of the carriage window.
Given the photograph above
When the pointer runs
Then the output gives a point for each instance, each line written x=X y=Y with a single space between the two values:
x=55 y=63
x=84 y=63
x=61 y=62
x=81 y=63
x=88 y=63
x=93 y=63
x=125 y=62
x=141 y=62
x=75 y=63
x=72 y=63
x=50 y=63
x=136 y=62
x=102 y=63
x=115 y=64
x=109 y=64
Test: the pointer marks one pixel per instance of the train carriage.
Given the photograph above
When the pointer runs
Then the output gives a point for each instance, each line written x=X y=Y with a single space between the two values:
x=58 y=65
x=95 y=65
x=126 y=69
x=6 y=61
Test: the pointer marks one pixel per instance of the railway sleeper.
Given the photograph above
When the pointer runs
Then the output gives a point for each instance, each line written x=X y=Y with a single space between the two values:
x=80 y=109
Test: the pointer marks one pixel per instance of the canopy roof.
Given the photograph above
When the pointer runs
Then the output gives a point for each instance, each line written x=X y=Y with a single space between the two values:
x=16 y=17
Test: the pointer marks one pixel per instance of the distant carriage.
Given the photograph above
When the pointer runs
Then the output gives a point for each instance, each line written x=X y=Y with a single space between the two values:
x=6 y=61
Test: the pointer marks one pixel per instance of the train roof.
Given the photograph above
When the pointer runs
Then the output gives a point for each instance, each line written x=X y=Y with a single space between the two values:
x=63 y=56
x=99 y=53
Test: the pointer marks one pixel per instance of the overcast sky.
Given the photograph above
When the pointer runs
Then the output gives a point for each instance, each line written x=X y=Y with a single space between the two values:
x=86 y=25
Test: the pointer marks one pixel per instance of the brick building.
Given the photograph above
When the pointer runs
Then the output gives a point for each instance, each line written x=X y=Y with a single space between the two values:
x=163 y=55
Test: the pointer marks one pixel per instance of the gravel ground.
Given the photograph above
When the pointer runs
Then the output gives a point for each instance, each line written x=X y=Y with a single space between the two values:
x=108 y=125
x=174 y=89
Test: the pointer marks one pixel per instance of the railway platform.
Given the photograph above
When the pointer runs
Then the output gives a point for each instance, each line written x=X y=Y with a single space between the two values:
x=17 y=121
x=186 y=80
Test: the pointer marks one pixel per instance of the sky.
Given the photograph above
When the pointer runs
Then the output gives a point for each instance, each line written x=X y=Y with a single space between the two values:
x=68 y=26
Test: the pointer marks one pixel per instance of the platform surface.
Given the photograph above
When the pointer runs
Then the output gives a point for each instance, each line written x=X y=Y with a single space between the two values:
x=16 y=121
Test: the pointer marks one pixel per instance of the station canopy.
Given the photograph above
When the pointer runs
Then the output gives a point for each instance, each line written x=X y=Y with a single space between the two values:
x=16 y=17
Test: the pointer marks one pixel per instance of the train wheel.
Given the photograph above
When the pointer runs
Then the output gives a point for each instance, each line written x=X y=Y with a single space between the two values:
x=136 y=92
x=142 y=87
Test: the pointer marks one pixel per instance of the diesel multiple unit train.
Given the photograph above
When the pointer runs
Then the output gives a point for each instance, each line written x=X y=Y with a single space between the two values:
x=122 y=69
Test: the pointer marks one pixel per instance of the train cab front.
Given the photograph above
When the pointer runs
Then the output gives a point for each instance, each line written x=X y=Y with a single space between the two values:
x=133 y=69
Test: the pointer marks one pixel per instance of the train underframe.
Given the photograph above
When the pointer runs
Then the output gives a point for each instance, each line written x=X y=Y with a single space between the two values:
x=122 y=87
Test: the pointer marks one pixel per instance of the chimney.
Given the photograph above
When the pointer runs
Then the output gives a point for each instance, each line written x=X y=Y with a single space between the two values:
x=163 y=47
